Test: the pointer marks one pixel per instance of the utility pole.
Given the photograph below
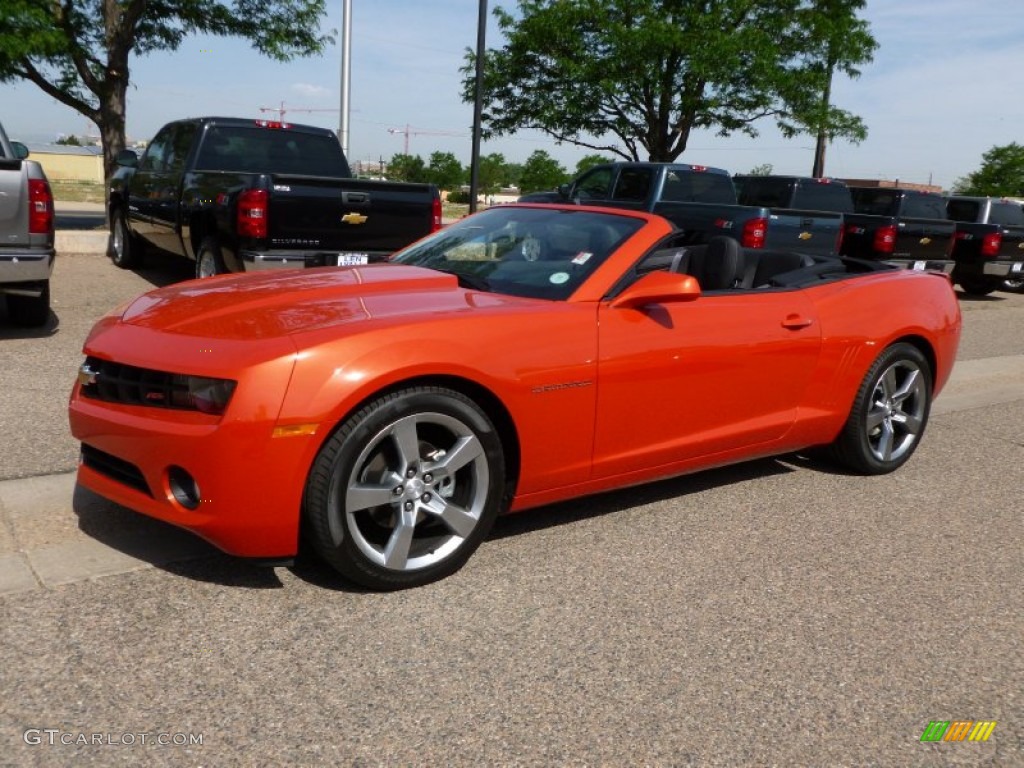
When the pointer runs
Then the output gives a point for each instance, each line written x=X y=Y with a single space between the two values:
x=478 y=106
x=346 y=73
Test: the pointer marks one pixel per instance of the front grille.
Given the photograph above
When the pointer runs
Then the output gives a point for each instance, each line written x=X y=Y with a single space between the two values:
x=116 y=469
x=116 y=383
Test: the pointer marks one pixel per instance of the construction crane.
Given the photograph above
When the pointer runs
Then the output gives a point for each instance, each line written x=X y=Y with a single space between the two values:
x=281 y=111
x=409 y=131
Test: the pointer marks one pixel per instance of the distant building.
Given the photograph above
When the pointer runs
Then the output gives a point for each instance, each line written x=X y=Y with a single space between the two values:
x=891 y=184
x=69 y=163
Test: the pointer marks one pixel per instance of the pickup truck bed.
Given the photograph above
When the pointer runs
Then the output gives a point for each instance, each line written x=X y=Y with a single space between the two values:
x=27 y=252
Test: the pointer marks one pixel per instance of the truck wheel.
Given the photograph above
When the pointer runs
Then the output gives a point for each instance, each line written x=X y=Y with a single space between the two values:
x=124 y=249
x=209 y=261
x=30 y=311
x=404 y=492
x=889 y=413
x=974 y=285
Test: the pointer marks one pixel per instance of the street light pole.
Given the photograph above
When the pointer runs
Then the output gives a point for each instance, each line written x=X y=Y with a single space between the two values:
x=478 y=102
x=346 y=72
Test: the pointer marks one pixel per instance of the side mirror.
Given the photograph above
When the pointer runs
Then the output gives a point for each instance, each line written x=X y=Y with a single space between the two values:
x=564 y=190
x=658 y=288
x=127 y=158
x=20 y=150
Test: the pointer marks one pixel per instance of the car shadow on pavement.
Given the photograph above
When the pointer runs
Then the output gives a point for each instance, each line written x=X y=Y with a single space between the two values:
x=162 y=269
x=163 y=546
x=9 y=330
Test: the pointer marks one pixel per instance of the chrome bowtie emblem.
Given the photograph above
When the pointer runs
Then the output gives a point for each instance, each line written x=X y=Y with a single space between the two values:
x=87 y=375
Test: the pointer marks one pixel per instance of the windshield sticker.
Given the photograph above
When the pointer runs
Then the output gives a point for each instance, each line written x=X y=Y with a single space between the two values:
x=559 y=277
x=582 y=258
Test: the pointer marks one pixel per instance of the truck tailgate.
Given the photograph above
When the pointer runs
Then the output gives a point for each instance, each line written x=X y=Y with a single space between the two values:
x=808 y=231
x=347 y=216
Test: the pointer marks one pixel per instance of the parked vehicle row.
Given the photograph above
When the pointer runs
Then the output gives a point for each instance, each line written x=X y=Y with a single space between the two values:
x=242 y=195
x=979 y=241
x=27 y=254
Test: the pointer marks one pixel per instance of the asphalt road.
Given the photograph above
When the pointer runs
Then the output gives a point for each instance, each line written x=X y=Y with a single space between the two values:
x=775 y=613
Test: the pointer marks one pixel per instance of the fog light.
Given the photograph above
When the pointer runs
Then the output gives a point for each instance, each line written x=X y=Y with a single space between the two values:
x=183 y=487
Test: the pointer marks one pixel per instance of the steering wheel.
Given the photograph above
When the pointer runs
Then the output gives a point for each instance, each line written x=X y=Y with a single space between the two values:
x=530 y=248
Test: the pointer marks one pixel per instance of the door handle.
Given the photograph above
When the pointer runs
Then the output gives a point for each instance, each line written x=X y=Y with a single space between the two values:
x=796 y=322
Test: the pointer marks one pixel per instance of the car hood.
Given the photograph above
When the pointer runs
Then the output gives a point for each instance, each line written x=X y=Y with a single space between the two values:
x=268 y=305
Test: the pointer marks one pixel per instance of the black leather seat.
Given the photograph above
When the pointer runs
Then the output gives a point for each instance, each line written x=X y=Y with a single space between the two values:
x=718 y=266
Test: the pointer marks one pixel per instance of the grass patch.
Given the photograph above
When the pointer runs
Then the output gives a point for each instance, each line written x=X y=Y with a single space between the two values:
x=71 y=191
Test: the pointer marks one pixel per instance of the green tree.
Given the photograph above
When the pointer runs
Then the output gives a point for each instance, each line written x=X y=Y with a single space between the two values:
x=407 y=168
x=69 y=141
x=765 y=169
x=589 y=161
x=1001 y=174
x=541 y=171
x=637 y=77
x=445 y=171
x=78 y=51
x=492 y=173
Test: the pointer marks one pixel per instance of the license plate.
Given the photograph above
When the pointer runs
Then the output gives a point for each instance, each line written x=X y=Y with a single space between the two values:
x=920 y=265
x=353 y=259
x=1017 y=268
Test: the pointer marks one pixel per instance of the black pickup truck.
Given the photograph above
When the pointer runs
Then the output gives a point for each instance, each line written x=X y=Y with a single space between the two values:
x=239 y=195
x=26 y=235
x=989 y=242
x=905 y=227
x=702 y=202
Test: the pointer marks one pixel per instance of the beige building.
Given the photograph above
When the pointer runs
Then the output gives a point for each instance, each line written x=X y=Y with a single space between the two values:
x=65 y=163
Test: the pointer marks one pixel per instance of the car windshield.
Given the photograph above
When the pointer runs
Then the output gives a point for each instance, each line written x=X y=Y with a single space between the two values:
x=538 y=253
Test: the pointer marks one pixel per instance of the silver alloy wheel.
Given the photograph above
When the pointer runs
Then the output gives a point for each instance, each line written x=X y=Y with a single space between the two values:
x=416 y=492
x=896 y=416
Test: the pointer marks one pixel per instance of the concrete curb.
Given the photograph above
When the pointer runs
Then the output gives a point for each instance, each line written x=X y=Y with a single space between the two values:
x=81 y=241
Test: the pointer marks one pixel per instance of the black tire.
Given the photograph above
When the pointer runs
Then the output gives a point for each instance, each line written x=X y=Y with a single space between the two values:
x=976 y=285
x=209 y=261
x=29 y=311
x=889 y=414
x=124 y=249
x=406 y=489
x=1015 y=284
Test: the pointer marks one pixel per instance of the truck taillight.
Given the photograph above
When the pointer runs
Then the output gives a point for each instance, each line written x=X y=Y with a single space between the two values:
x=40 y=207
x=754 y=232
x=991 y=244
x=252 y=213
x=885 y=239
x=435 y=222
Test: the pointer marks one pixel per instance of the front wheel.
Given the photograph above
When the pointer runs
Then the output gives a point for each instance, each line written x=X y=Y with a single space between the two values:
x=406 y=489
x=889 y=413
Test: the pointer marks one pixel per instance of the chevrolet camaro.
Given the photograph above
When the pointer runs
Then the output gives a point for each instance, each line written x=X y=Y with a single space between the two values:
x=387 y=413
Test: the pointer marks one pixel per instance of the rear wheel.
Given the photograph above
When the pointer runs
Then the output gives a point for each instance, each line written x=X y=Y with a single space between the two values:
x=406 y=489
x=209 y=261
x=889 y=414
x=1013 y=284
x=124 y=249
x=30 y=311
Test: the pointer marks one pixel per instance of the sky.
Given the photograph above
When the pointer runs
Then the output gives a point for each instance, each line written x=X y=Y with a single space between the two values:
x=943 y=89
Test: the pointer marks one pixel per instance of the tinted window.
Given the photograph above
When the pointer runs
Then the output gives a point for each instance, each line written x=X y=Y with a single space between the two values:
x=698 y=187
x=963 y=210
x=255 y=149
x=1007 y=214
x=595 y=184
x=923 y=206
x=158 y=151
x=633 y=184
x=875 y=202
x=823 y=196
x=765 y=192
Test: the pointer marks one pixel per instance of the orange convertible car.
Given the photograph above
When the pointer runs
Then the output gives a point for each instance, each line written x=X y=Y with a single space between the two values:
x=525 y=355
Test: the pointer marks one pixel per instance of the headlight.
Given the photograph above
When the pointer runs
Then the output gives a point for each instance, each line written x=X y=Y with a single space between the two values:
x=202 y=394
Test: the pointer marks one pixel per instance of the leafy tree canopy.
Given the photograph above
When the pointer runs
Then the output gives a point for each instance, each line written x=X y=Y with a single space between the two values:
x=541 y=171
x=1001 y=174
x=407 y=168
x=637 y=77
x=765 y=169
x=445 y=171
x=492 y=173
x=589 y=161
x=78 y=51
